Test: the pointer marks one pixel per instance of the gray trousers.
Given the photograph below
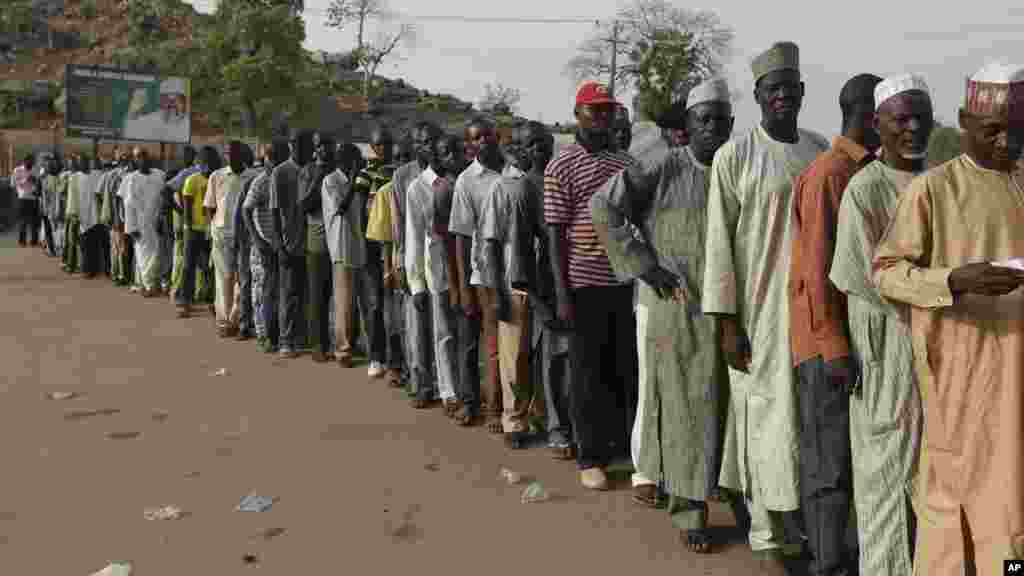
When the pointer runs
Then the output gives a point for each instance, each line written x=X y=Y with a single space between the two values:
x=419 y=334
x=445 y=345
x=825 y=466
x=551 y=360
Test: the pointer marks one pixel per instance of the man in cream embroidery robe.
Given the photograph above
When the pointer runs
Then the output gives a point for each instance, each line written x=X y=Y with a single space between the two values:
x=950 y=253
x=745 y=284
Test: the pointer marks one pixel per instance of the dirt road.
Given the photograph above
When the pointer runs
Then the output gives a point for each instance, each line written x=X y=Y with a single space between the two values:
x=365 y=484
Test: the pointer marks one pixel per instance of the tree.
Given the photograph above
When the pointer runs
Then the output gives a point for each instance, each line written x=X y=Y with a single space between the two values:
x=253 y=62
x=944 y=144
x=391 y=33
x=500 y=98
x=663 y=50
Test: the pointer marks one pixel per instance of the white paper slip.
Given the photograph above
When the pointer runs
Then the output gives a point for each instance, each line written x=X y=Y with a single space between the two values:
x=1015 y=263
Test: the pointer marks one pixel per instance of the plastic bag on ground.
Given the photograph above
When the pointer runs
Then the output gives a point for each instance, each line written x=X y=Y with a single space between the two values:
x=535 y=492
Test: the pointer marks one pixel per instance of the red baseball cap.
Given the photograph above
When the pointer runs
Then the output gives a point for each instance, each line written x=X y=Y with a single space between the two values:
x=593 y=93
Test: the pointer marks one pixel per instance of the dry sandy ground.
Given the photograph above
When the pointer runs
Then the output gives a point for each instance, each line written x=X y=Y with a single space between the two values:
x=366 y=485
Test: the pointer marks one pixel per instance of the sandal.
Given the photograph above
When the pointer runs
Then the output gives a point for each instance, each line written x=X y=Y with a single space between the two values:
x=451 y=407
x=465 y=417
x=516 y=440
x=563 y=452
x=696 y=541
x=394 y=379
x=649 y=496
x=494 y=426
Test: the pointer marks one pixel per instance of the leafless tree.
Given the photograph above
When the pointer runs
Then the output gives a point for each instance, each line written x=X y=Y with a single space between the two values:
x=641 y=24
x=391 y=33
x=499 y=95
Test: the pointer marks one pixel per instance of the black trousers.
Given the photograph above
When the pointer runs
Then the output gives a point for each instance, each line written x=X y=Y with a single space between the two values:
x=28 y=220
x=271 y=293
x=292 y=276
x=825 y=466
x=197 y=254
x=94 y=242
x=603 y=360
x=319 y=291
x=369 y=294
x=242 y=265
x=468 y=355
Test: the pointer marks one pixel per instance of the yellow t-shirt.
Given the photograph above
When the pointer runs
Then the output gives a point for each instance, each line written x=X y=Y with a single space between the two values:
x=195 y=188
x=378 y=227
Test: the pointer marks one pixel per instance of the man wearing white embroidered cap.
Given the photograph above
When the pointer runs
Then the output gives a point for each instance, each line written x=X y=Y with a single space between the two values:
x=678 y=430
x=967 y=322
x=885 y=406
x=163 y=120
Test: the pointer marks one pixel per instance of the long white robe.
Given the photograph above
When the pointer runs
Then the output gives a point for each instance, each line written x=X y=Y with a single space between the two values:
x=885 y=416
x=88 y=207
x=747 y=274
x=142 y=202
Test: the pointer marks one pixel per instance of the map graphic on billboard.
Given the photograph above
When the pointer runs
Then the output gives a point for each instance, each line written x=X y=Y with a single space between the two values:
x=113 y=104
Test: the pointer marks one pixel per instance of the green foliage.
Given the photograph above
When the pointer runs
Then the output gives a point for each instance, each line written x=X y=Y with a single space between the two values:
x=16 y=18
x=667 y=67
x=943 y=145
x=10 y=111
x=253 y=63
x=145 y=17
x=89 y=9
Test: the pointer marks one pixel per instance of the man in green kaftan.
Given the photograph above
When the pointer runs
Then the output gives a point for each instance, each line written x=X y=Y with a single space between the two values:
x=885 y=410
x=685 y=384
x=745 y=284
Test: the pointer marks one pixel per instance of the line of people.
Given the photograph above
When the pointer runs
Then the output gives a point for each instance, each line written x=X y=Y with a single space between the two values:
x=794 y=328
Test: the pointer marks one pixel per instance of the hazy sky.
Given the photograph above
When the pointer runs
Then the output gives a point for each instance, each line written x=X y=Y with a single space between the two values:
x=459 y=58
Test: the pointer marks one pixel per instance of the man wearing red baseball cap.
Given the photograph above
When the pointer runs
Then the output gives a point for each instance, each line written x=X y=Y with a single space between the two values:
x=603 y=349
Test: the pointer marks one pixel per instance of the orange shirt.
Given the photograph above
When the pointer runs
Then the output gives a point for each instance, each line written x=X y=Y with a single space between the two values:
x=817 y=311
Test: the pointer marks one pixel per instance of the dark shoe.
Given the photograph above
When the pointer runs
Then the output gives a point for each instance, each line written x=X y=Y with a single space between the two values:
x=516 y=440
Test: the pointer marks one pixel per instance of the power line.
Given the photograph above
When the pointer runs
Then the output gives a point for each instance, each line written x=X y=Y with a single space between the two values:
x=322 y=13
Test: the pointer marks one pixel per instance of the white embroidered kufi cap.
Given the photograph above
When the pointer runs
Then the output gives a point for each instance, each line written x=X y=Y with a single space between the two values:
x=894 y=85
x=712 y=90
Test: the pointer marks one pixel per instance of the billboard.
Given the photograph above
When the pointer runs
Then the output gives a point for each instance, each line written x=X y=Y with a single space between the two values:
x=113 y=104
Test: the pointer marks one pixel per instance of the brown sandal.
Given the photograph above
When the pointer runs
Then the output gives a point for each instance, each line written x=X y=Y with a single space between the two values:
x=465 y=417
x=394 y=378
x=649 y=496
x=563 y=452
x=451 y=407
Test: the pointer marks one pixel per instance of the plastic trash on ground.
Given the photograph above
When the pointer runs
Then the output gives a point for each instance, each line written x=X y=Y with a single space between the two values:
x=164 y=513
x=511 y=477
x=221 y=372
x=535 y=493
x=115 y=569
x=254 y=503
x=62 y=395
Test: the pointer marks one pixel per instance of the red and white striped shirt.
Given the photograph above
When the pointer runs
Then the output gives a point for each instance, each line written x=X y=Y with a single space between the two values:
x=569 y=182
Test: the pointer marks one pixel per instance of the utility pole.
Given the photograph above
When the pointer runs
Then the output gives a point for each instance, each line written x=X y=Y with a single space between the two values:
x=615 y=51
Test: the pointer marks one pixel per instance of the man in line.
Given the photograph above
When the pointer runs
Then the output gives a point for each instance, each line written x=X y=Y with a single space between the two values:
x=242 y=311
x=142 y=203
x=817 y=325
x=222 y=195
x=448 y=162
x=399 y=313
x=945 y=254
x=591 y=300
x=381 y=230
x=196 y=228
x=885 y=408
x=112 y=215
x=428 y=280
x=343 y=210
x=72 y=217
x=745 y=284
x=509 y=215
x=549 y=345
x=95 y=243
x=685 y=389
x=319 y=270
x=172 y=196
x=259 y=220
x=49 y=206
x=289 y=240
x=369 y=279
x=26 y=185
x=472 y=189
